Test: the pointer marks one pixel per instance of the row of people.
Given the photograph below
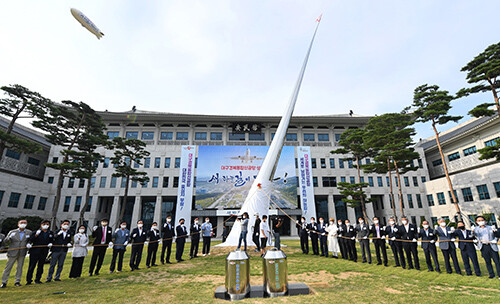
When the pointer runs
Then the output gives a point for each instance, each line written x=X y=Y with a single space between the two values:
x=39 y=243
x=340 y=238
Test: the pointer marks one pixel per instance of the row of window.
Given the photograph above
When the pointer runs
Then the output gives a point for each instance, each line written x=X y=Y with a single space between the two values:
x=467 y=151
x=482 y=191
x=16 y=155
x=331 y=181
x=29 y=201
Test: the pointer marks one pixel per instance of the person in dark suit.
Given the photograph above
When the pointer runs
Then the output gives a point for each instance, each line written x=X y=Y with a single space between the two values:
x=429 y=237
x=363 y=231
x=323 y=237
x=154 y=238
x=350 y=241
x=121 y=237
x=17 y=238
x=225 y=232
x=167 y=235
x=467 y=249
x=256 y=232
x=447 y=246
x=103 y=238
x=138 y=238
x=180 y=241
x=312 y=228
x=487 y=239
x=378 y=235
x=38 y=253
x=392 y=233
x=304 y=241
x=62 y=241
x=342 y=242
x=409 y=235
x=195 y=239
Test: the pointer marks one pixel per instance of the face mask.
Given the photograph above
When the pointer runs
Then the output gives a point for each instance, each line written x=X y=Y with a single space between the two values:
x=461 y=227
x=361 y=222
x=104 y=223
x=244 y=216
x=22 y=226
x=375 y=222
x=182 y=224
x=425 y=226
x=155 y=227
x=442 y=224
x=321 y=221
x=391 y=223
x=302 y=221
x=404 y=222
x=139 y=225
x=123 y=226
x=331 y=223
x=348 y=224
x=169 y=220
x=81 y=230
x=206 y=221
x=312 y=221
x=45 y=227
x=196 y=222
x=481 y=223
x=65 y=227
x=340 y=223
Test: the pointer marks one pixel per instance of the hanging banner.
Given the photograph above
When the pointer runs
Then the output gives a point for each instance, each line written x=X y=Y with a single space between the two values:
x=185 y=189
x=306 y=183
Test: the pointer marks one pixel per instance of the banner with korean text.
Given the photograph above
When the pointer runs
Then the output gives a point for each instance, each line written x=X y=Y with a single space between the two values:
x=185 y=189
x=306 y=182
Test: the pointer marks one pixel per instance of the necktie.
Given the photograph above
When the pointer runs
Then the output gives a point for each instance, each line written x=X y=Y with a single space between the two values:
x=103 y=235
x=378 y=231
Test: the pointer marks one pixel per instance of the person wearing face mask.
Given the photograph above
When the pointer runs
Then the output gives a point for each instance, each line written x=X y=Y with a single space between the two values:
x=333 y=244
x=304 y=239
x=138 y=237
x=265 y=234
x=312 y=227
x=277 y=226
x=363 y=231
x=180 y=240
x=80 y=240
x=154 y=238
x=168 y=234
x=378 y=235
x=409 y=235
x=256 y=232
x=323 y=238
x=341 y=230
x=18 y=238
x=120 y=237
x=244 y=230
x=429 y=238
x=447 y=246
x=195 y=239
x=103 y=238
x=392 y=233
x=62 y=241
x=206 y=231
x=39 y=251
x=350 y=241
x=467 y=248
x=487 y=243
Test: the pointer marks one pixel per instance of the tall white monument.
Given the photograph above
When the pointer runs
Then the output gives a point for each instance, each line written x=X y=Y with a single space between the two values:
x=257 y=200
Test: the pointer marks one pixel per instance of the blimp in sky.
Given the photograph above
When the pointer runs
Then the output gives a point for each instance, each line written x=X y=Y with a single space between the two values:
x=86 y=23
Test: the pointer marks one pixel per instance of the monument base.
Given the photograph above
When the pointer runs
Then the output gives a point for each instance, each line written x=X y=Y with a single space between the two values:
x=257 y=291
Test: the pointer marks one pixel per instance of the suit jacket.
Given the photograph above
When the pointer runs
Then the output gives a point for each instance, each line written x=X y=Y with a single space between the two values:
x=168 y=231
x=428 y=235
x=321 y=228
x=16 y=242
x=488 y=234
x=181 y=234
x=302 y=227
x=2 y=237
x=392 y=231
x=444 y=239
x=373 y=230
x=469 y=236
x=138 y=238
x=341 y=230
x=61 y=242
x=350 y=231
x=363 y=230
x=42 y=239
x=256 y=225
x=154 y=236
x=195 y=232
x=97 y=234
x=313 y=228
x=120 y=237
x=80 y=242
x=411 y=234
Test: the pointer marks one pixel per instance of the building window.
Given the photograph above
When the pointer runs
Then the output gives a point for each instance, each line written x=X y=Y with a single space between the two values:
x=155 y=182
x=423 y=179
x=352 y=180
x=148 y=135
x=71 y=182
x=78 y=203
x=92 y=182
x=177 y=163
x=50 y=180
x=157 y=162
x=379 y=181
x=483 y=192
x=470 y=150
x=437 y=162
x=132 y=135
x=430 y=200
x=33 y=161
x=123 y=182
x=113 y=134
x=237 y=136
x=323 y=137
x=113 y=182
x=329 y=181
x=387 y=181
x=147 y=162
x=370 y=181
x=434 y=220
x=332 y=162
x=200 y=136
x=337 y=137
x=349 y=163
x=165 y=182
x=420 y=165
x=410 y=201
x=453 y=156
x=451 y=197
x=67 y=203
x=406 y=181
x=215 y=135
x=55 y=160
x=419 y=200
x=28 y=202
x=322 y=162
x=42 y=203
x=368 y=161
x=102 y=183
x=133 y=184
x=343 y=179
x=291 y=136
x=181 y=136
x=309 y=137
x=467 y=194
x=492 y=142
x=176 y=182
x=415 y=181
x=390 y=201
x=341 y=163
x=396 y=181
x=313 y=163
x=166 y=135
x=167 y=162
x=1 y=196
x=497 y=188
x=315 y=181
x=441 y=199
x=13 y=154
x=105 y=164
x=256 y=136
x=89 y=205
x=362 y=179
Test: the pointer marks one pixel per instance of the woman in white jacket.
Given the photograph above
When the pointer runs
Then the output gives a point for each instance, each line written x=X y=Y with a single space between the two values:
x=81 y=240
x=333 y=243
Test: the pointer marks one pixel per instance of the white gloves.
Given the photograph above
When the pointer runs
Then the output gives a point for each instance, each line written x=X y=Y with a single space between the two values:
x=146 y=243
x=117 y=229
x=393 y=238
x=475 y=241
x=353 y=238
x=38 y=232
x=126 y=243
x=323 y=234
x=365 y=237
x=453 y=239
x=134 y=235
x=432 y=241
x=160 y=242
x=414 y=240
x=28 y=246
x=60 y=232
x=110 y=244
x=49 y=245
x=371 y=241
x=452 y=229
x=94 y=228
x=69 y=245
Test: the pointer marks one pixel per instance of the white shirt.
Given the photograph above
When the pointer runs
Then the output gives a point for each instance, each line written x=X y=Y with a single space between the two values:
x=264 y=227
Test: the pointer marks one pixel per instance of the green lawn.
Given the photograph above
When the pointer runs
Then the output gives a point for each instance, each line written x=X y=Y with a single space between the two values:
x=194 y=281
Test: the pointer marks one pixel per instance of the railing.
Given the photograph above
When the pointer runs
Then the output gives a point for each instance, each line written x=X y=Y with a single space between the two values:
x=22 y=168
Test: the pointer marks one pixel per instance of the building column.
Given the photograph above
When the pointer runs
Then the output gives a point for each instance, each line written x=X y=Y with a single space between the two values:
x=293 y=229
x=115 y=212
x=220 y=226
x=351 y=215
x=137 y=211
x=370 y=211
x=157 y=216
x=331 y=208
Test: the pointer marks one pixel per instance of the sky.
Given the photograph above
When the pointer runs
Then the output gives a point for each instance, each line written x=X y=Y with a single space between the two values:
x=243 y=57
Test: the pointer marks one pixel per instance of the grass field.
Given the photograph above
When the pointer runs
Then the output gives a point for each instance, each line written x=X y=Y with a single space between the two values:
x=194 y=281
